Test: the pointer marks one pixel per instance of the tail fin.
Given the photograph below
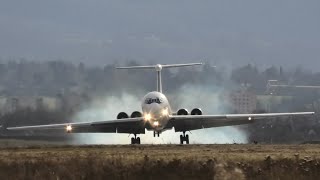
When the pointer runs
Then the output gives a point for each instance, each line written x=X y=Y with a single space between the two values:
x=158 y=68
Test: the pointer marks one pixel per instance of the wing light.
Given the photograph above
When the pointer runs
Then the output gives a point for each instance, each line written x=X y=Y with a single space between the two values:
x=165 y=112
x=147 y=117
x=69 y=128
x=249 y=118
x=156 y=123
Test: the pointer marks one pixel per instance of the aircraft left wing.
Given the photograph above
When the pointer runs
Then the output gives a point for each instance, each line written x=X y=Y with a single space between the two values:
x=192 y=122
x=128 y=125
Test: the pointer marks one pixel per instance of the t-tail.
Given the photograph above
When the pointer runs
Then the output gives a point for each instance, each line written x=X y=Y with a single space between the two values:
x=158 y=68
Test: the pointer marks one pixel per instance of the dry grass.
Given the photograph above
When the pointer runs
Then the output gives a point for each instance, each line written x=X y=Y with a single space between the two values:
x=161 y=162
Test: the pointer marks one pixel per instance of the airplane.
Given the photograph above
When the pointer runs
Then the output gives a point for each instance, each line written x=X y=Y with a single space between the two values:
x=157 y=116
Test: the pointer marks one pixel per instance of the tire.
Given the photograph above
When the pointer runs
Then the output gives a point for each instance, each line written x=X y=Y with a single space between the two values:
x=181 y=139
x=138 y=140
x=132 y=141
x=187 y=139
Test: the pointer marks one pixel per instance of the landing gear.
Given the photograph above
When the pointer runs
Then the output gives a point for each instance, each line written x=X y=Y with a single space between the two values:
x=135 y=139
x=184 y=138
x=156 y=134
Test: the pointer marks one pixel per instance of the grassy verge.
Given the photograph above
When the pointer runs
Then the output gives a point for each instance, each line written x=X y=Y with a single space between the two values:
x=162 y=162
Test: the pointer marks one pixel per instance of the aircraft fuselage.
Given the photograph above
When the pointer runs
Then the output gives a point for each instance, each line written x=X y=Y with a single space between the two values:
x=156 y=110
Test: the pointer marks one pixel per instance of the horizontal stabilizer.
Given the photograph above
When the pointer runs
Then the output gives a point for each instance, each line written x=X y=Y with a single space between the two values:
x=137 y=67
x=160 y=66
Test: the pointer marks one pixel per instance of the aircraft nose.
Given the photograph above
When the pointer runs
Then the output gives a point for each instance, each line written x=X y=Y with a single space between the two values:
x=152 y=108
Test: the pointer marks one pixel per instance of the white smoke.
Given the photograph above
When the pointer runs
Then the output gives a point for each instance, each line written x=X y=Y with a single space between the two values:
x=102 y=109
x=212 y=100
x=206 y=98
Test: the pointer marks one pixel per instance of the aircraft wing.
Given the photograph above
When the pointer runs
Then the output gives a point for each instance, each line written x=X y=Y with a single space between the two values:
x=193 y=122
x=128 y=125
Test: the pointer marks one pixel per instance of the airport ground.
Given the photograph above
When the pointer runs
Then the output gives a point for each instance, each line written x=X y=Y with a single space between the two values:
x=40 y=160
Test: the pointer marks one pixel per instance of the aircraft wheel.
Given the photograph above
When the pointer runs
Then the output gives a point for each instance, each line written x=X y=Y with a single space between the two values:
x=138 y=140
x=132 y=141
x=187 y=139
x=181 y=139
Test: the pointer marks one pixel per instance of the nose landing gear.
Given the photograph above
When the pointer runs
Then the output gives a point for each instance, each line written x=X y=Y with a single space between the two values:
x=184 y=138
x=135 y=139
x=156 y=134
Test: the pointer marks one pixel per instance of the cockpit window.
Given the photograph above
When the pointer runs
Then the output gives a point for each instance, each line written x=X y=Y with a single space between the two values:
x=153 y=100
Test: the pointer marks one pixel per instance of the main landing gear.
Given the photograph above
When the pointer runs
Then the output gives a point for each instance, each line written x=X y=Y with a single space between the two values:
x=184 y=138
x=135 y=139
x=156 y=134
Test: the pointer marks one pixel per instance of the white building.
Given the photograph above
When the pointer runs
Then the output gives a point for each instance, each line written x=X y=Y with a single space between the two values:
x=12 y=103
x=243 y=101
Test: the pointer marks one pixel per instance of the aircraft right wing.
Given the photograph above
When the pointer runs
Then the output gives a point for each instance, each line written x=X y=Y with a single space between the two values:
x=128 y=125
x=193 y=122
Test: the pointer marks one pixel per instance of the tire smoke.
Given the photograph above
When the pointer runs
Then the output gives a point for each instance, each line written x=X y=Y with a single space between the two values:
x=209 y=98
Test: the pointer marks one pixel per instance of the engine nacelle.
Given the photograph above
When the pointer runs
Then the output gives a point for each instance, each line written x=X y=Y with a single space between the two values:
x=196 y=111
x=122 y=115
x=136 y=114
x=182 y=112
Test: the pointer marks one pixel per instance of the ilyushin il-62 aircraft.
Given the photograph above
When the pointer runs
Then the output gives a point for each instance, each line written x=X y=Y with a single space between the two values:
x=157 y=116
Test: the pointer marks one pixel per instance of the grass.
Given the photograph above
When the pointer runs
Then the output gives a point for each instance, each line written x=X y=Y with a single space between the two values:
x=161 y=162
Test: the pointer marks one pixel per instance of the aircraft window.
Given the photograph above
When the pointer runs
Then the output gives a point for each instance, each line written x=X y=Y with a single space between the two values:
x=153 y=100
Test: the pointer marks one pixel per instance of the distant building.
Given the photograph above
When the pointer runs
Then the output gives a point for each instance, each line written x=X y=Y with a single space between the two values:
x=243 y=101
x=13 y=103
x=70 y=101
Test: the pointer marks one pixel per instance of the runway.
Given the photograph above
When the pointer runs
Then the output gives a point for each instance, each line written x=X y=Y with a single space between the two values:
x=160 y=161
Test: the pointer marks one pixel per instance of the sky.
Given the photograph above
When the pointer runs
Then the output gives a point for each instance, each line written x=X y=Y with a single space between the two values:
x=266 y=32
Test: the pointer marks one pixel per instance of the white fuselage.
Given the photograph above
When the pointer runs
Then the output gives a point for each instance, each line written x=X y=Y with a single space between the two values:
x=156 y=110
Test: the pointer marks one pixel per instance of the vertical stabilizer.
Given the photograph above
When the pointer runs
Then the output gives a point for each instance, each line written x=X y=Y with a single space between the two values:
x=159 y=68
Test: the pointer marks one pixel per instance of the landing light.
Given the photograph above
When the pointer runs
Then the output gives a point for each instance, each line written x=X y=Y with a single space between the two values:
x=156 y=123
x=165 y=112
x=249 y=118
x=69 y=128
x=147 y=117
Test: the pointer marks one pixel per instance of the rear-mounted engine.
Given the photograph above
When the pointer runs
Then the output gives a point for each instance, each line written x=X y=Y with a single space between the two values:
x=196 y=111
x=122 y=115
x=182 y=112
x=136 y=114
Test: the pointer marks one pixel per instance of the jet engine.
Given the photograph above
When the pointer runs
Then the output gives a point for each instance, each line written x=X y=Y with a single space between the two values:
x=122 y=115
x=182 y=112
x=136 y=114
x=196 y=111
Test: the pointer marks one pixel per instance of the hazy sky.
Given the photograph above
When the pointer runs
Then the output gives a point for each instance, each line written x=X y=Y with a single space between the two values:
x=221 y=31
